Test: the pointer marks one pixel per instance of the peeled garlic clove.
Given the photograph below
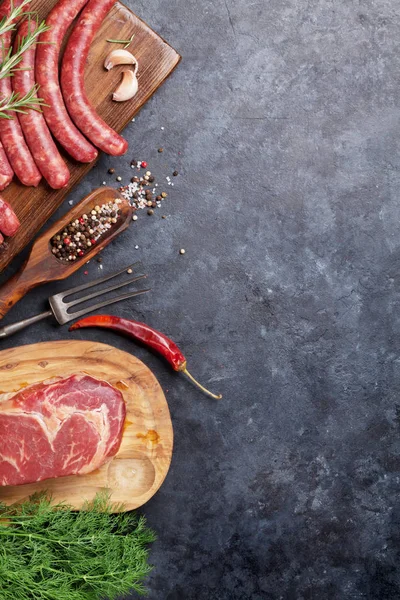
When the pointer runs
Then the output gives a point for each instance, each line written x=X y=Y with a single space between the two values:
x=127 y=88
x=120 y=57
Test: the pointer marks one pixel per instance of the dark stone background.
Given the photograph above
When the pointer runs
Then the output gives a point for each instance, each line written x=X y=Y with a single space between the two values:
x=286 y=117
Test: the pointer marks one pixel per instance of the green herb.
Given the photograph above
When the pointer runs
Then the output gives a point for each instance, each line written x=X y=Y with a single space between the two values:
x=12 y=59
x=7 y=23
x=21 y=104
x=50 y=552
x=126 y=42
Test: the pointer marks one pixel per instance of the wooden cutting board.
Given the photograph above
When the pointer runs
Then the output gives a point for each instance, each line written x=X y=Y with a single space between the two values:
x=142 y=463
x=156 y=61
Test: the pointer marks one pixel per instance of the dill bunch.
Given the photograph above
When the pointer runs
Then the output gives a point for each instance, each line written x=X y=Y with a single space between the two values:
x=50 y=552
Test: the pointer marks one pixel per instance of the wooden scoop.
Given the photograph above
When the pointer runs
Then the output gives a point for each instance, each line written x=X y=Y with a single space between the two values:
x=42 y=266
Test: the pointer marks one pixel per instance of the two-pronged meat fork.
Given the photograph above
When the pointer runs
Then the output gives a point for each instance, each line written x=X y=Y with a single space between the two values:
x=60 y=308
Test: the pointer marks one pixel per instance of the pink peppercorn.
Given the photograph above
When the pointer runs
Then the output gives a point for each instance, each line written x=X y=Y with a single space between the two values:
x=144 y=164
x=67 y=241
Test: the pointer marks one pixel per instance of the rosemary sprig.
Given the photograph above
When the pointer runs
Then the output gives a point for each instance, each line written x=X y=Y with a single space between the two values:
x=12 y=59
x=20 y=104
x=53 y=553
x=7 y=23
x=126 y=42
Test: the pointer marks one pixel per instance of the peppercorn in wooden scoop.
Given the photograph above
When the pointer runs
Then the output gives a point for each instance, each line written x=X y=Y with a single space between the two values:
x=68 y=244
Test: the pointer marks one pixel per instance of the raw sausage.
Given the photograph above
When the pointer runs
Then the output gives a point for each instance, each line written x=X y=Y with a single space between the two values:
x=11 y=134
x=37 y=134
x=6 y=172
x=80 y=108
x=47 y=59
x=9 y=222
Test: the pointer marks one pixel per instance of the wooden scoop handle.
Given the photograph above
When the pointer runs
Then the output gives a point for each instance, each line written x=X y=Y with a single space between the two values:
x=15 y=288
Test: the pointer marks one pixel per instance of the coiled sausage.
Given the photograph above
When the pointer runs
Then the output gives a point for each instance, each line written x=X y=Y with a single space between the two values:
x=9 y=222
x=6 y=172
x=11 y=134
x=37 y=134
x=47 y=58
x=79 y=107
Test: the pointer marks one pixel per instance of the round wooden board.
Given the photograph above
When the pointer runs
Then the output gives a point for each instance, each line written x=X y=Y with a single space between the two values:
x=142 y=463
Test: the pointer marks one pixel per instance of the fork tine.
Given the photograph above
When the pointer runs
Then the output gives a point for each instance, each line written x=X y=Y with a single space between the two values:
x=80 y=313
x=86 y=286
x=103 y=291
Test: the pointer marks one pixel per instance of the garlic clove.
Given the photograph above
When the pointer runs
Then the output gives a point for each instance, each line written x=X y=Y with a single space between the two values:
x=120 y=57
x=128 y=86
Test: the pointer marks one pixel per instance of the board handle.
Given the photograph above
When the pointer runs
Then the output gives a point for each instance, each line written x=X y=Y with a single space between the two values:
x=14 y=289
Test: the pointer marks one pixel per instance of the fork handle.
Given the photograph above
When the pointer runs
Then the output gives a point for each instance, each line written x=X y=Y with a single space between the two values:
x=15 y=327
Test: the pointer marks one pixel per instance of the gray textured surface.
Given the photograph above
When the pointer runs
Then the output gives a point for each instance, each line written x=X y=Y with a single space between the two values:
x=286 y=115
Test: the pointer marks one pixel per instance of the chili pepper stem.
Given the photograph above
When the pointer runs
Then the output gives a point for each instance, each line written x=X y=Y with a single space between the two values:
x=203 y=389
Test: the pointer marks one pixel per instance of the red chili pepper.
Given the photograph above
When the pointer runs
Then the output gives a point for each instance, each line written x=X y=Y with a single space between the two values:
x=146 y=335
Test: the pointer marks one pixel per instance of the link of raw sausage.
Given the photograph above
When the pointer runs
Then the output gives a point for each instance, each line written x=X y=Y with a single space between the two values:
x=6 y=172
x=37 y=134
x=79 y=107
x=9 y=222
x=47 y=59
x=11 y=134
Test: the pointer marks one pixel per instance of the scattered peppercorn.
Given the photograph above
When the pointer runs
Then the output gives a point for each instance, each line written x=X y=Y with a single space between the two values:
x=182 y=251
x=175 y=173
x=144 y=164
x=161 y=150
x=150 y=212
x=119 y=178
x=164 y=194
x=111 y=171
x=163 y=217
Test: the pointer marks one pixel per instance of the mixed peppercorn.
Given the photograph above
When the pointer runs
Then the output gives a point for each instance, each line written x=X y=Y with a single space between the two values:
x=77 y=238
x=141 y=192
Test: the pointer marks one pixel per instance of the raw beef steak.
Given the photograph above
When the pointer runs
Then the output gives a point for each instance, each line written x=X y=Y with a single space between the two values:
x=63 y=427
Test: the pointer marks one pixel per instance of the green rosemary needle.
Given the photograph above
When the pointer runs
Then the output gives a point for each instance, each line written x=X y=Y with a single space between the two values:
x=7 y=23
x=20 y=104
x=126 y=42
x=12 y=58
